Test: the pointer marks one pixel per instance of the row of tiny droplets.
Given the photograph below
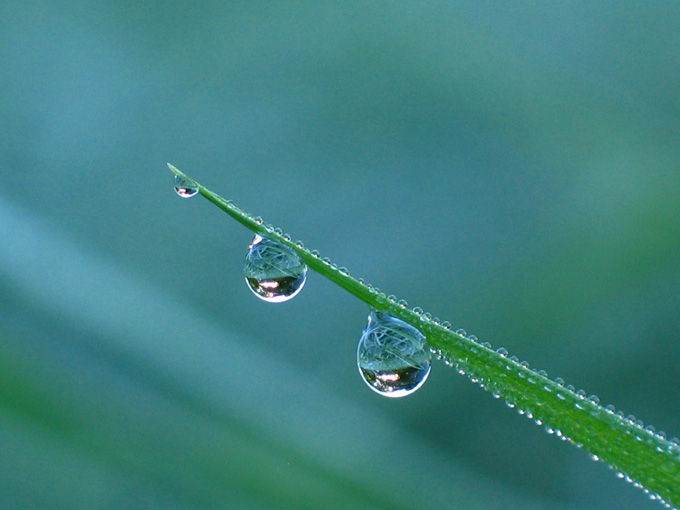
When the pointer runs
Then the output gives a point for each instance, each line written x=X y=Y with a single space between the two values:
x=649 y=431
x=646 y=432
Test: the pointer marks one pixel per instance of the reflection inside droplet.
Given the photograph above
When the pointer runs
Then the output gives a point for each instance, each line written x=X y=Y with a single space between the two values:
x=184 y=188
x=274 y=272
x=393 y=356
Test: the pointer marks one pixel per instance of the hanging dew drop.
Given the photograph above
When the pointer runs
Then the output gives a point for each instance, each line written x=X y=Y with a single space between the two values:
x=273 y=271
x=393 y=356
x=184 y=188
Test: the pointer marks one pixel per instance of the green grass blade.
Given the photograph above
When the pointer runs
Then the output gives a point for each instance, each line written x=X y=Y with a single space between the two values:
x=645 y=458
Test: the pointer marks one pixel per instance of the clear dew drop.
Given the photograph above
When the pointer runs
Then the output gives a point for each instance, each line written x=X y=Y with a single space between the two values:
x=184 y=188
x=273 y=271
x=393 y=356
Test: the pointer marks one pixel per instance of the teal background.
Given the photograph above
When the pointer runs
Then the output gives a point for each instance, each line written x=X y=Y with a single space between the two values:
x=512 y=167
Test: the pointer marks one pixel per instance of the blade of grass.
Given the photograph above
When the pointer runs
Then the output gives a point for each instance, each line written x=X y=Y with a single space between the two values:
x=638 y=454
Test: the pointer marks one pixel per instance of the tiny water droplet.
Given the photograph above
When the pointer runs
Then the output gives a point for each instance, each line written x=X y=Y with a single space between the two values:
x=446 y=325
x=344 y=271
x=315 y=253
x=417 y=310
x=258 y=220
x=402 y=303
x=273 y=271
x=502 y=351
x=184 y=188
x=437 y=352
x=461 y=332
x=473 y=338
x=393 y=356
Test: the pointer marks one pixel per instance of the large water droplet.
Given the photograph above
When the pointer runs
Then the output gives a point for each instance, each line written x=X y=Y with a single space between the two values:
x=393 y=357
x=274 y=272
x=184 y=188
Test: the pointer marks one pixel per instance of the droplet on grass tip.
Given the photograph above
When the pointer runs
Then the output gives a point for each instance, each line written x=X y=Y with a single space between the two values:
x=274 y=272
x=184 y=188
x=393 y=356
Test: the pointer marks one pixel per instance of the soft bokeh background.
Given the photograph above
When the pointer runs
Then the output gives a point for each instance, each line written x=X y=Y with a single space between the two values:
x=513 y=167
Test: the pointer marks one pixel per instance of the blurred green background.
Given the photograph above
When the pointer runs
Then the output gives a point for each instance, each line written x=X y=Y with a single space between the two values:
x=512 y=167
